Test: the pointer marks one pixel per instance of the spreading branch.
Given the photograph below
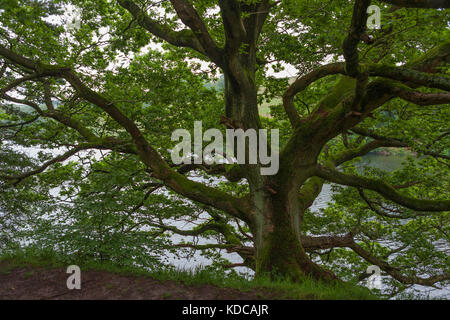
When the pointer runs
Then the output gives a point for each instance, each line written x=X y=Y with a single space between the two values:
x=302 y=83
x=383 y=188
x=360 y=151
x=17 y=179
x=183 y=38
x=149 y=156
x=397 y=142
x=383 y=213
x=187 y=13
x=410 y=77
x=394 y=272
x=420 y=98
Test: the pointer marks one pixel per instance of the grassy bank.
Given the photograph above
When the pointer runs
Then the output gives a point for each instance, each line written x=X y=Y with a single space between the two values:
x=278 y=289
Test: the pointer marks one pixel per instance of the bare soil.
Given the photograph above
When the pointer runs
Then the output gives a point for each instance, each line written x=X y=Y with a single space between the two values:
x=32 y=283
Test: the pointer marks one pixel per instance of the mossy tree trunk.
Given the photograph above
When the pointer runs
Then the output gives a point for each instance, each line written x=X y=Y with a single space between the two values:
x=276 y=210
x=277 y=234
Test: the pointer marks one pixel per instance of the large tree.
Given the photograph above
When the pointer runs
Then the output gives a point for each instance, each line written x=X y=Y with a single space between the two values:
x=129 y=72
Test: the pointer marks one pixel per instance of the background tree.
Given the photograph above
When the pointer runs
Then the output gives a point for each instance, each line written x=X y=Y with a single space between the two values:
x=107 y=92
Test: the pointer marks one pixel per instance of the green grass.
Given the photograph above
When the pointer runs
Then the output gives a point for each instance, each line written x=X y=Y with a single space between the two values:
x=278 y=289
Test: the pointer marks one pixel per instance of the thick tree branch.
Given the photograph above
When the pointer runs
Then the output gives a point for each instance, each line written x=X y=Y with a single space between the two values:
x=234 y=26
x=218 y=227
x=301 y=83
x=383 y=213
x=187 y=13
x=420 y=98
x=409 y=75
x=257 y=15
x=17 y=82
x=357 y=29
x=360 y=151
x=384 y=189
x=183 y=38
x=393 y=272
x=368 y=133
x=403 y=74
x=329 y=242
x=311 y=243
x=396 y=142
x=334 y=116
x=48 y=97
x=228 y=247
